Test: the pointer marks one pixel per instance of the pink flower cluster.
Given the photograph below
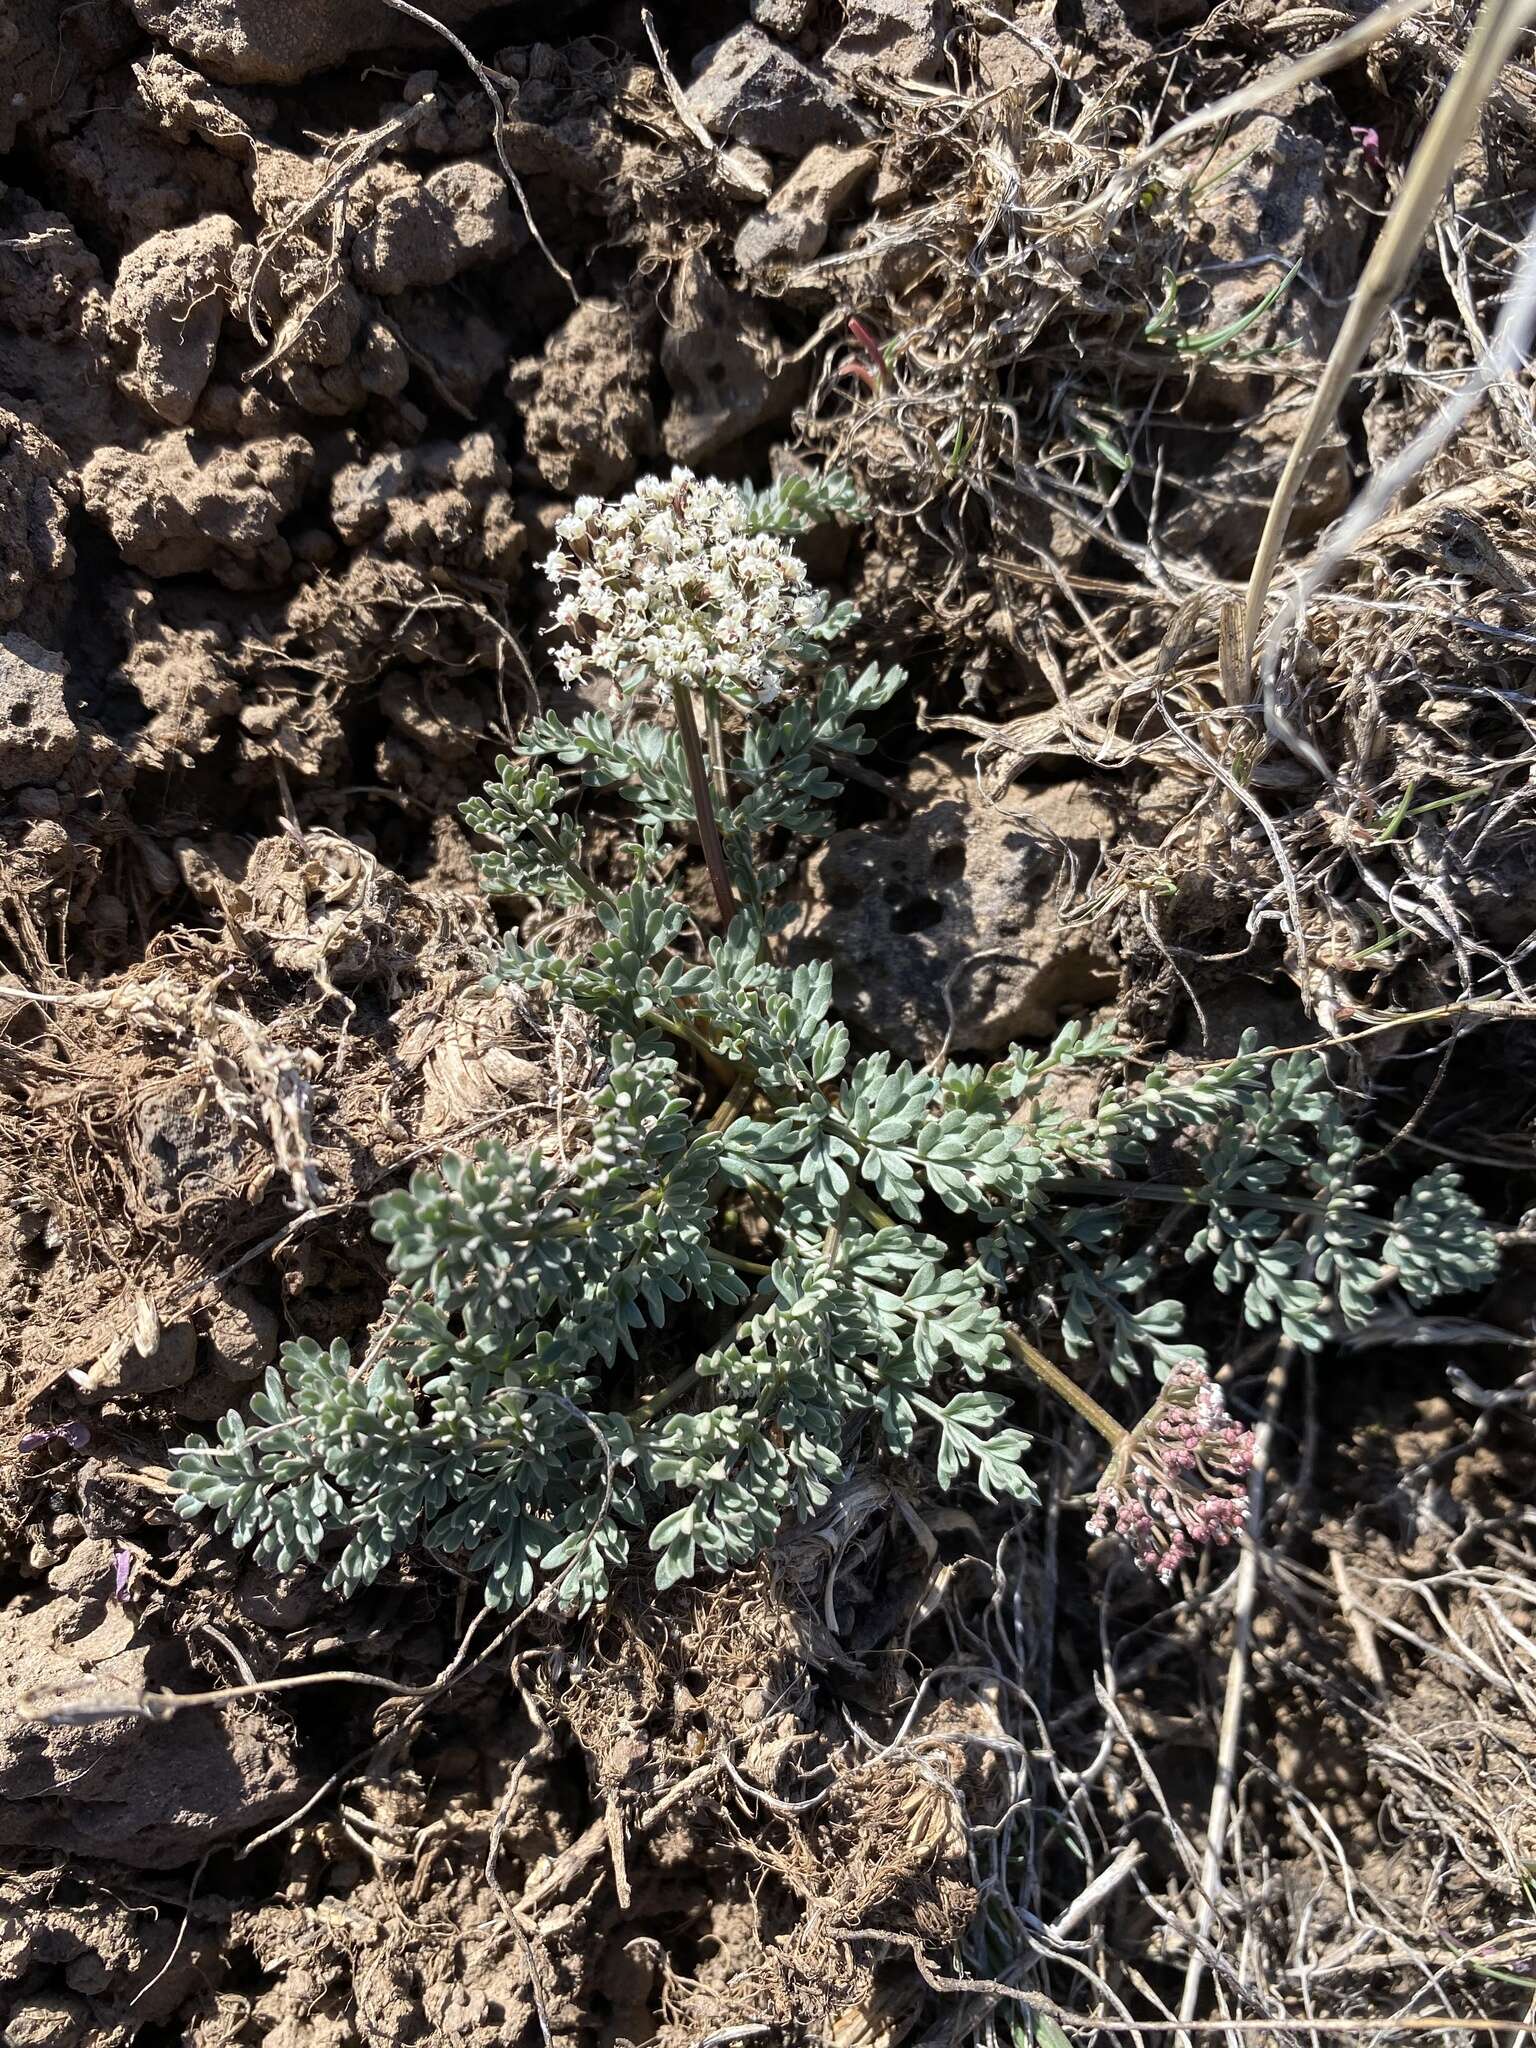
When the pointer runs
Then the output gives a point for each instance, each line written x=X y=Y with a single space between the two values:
x=1179 y=1480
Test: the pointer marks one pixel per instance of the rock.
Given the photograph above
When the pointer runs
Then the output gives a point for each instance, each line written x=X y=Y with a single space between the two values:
x=751 y=90
x=167 y=308
x=785 y=18
x=1278 y=193
x=47 y=2023
x=446 y=503
x=425 y=231
x=135 y=1353
x=902 y=38
x=183 y=503
x=241 y=1339
x=38 y=489
x=147 y=1794
x=37 y=734
x=1225 y=483
x=587 y=416
x=278 y=42
x=957 y=901
x=723 y=363
x=794 y=225
x=1016 y=58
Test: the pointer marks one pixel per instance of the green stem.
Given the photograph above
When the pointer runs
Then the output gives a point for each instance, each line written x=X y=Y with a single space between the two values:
x=546 y=839
x=716 y=735
x=1196 y=1198
x=703 y=803
x=647 y=1410
x=1061 y=1384
x=1065 y=1388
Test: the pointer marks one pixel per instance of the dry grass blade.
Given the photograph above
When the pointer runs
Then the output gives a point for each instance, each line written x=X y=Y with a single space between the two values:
x=1499 y=360
x=1499 y=26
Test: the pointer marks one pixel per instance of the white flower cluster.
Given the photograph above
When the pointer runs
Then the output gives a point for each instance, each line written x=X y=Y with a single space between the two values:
x=670 y=585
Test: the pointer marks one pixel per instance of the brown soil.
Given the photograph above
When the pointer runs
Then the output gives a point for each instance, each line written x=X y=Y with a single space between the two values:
x=301 y=355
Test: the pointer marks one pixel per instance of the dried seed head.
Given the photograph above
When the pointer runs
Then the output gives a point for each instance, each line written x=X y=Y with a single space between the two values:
x=669 y=585
x=1179 y=1480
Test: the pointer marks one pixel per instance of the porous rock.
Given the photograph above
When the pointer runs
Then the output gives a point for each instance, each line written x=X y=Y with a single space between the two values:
x=37 y=490
x=794 y=225
x=146 y=1794
x=587 y=410
x=904 y=39
x=167 y=308
x=278 y=42
x=37 y=734
x=724 y=365
x=945 y=923
x=750 y=89
x=183 y=503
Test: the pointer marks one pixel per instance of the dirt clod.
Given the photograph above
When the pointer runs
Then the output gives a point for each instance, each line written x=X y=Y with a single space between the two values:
x=184 y=503
x=587 y=413
x=168 y=306
x=37 y=491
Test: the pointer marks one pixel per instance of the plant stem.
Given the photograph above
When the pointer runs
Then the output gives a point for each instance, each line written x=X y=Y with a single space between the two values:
x=1065 y=1388
x=1061 y=1384
x=703 y=802
x=647 y=1410
x=715 y=733
x=596 y=896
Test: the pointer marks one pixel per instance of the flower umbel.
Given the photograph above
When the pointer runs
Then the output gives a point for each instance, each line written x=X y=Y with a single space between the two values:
x=1179 y=1480
x=672 y=586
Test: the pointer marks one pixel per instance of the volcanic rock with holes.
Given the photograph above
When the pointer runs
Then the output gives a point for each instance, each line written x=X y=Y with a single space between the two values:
x=948 y=921
x=37 y=734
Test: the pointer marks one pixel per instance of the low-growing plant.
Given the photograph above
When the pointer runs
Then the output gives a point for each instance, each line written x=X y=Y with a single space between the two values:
x=776 y=1255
